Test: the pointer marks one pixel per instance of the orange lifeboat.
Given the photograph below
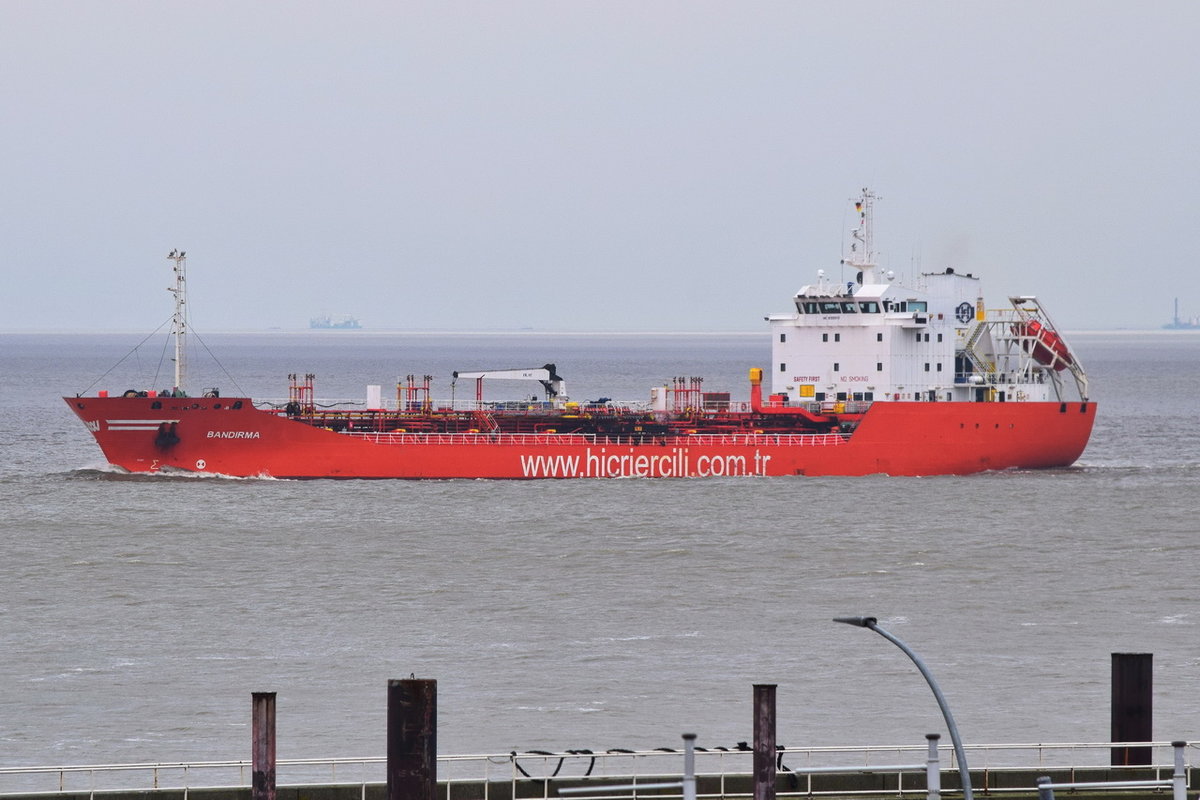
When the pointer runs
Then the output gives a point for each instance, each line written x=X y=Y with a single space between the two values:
x=1048 y=347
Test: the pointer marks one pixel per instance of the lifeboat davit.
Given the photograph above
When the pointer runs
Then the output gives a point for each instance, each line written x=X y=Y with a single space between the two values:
x=1048 y=347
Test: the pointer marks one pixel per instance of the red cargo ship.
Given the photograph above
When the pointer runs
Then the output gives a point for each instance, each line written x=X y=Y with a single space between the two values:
x=867 y=376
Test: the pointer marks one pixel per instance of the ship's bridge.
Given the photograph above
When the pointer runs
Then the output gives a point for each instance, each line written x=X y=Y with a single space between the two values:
x=875 y=340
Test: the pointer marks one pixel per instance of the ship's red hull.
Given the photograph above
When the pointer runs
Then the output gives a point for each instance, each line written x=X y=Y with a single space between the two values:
x=229 y=436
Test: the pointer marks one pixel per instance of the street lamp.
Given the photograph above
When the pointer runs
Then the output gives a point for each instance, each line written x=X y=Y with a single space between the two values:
x=963 y=771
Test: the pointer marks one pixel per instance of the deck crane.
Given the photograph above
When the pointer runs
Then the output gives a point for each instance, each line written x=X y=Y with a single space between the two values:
x=546 y=375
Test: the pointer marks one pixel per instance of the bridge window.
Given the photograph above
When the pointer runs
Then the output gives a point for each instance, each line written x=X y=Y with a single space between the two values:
x=831 y=307
x=849 y=308
x=810 y=307
x=869 y=307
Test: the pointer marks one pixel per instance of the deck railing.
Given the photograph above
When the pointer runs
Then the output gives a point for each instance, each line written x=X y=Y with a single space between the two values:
x=561 y=439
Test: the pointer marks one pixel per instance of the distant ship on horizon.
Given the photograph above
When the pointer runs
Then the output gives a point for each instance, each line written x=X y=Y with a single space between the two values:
x=1177 y=324
x=327 y=321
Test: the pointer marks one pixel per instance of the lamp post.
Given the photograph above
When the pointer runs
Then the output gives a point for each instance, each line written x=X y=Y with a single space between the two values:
x=963 y=771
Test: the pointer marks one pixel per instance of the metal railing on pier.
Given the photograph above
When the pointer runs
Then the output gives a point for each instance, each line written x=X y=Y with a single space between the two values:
x=722 y=772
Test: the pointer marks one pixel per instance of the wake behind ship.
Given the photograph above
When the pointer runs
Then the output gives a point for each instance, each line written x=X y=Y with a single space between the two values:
x=868 y=375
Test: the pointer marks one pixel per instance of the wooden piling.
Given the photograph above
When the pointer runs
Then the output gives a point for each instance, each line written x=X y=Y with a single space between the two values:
x=764 y=741
x=1132 y=706
x=412 y=740
x=262 y=731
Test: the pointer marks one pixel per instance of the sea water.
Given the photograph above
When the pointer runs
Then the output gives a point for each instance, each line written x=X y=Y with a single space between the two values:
x=137 y=614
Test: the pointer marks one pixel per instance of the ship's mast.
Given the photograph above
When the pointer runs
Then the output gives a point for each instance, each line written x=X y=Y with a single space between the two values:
x=179 y=321
x=862 y=249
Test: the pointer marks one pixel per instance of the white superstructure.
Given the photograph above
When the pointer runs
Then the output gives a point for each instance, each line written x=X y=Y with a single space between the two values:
x=873 y=337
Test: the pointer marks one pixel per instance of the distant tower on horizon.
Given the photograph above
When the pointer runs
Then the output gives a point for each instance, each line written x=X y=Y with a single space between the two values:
x=1178 y=324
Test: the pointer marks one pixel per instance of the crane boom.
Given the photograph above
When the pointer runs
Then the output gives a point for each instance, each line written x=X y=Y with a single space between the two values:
x=546 y=375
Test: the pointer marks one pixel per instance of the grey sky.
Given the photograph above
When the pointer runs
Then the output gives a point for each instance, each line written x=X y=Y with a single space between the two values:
x=586 y=166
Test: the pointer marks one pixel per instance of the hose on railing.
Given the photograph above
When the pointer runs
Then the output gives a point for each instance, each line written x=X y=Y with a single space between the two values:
x=562 y=757
x=561 y=760
x=793 y=778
